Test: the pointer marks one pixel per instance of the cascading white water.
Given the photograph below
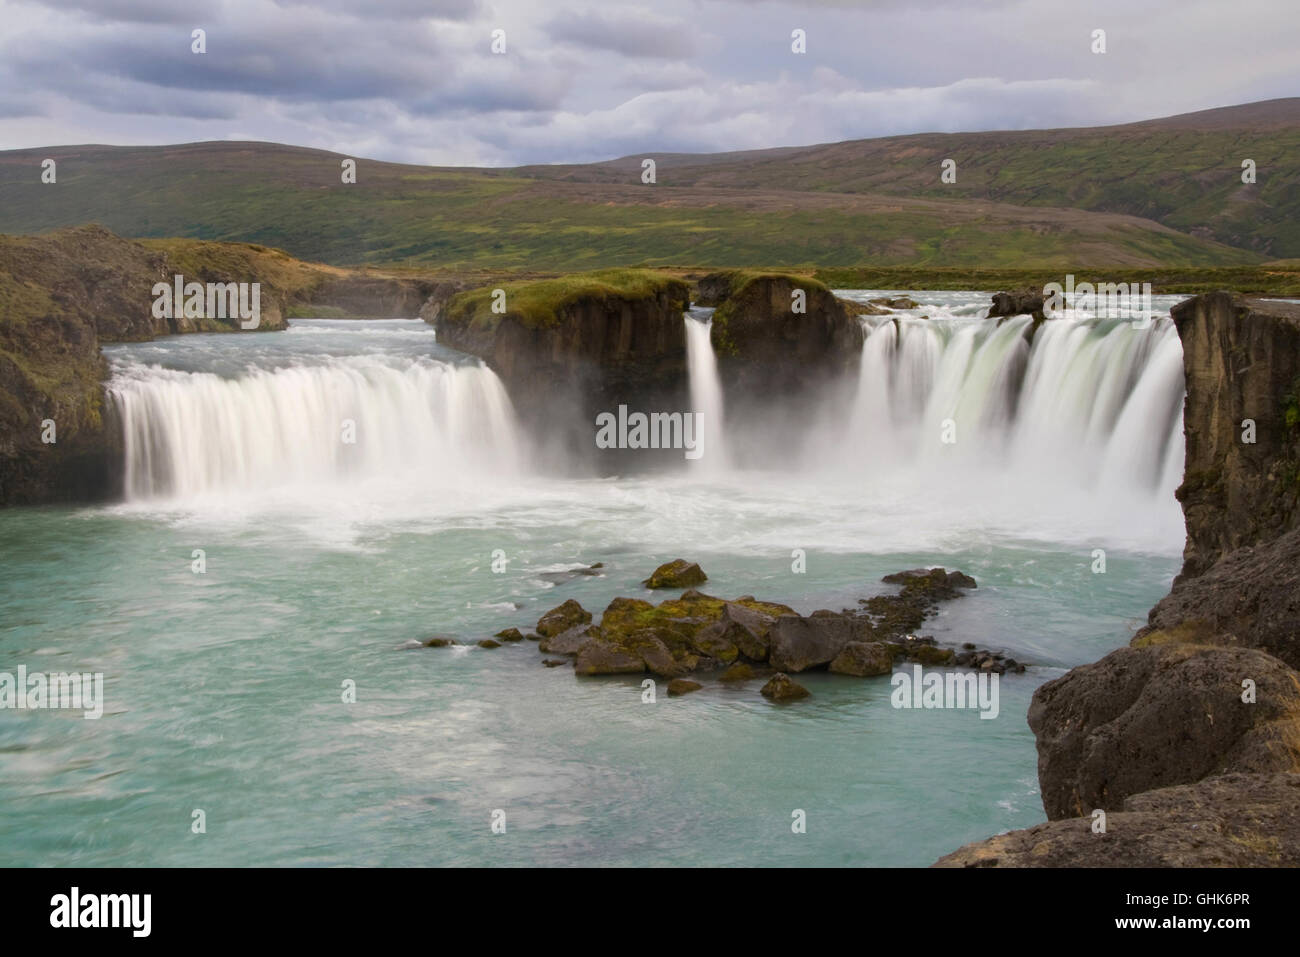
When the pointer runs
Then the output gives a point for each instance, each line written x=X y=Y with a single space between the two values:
x=355 y=417
x=1090 y=404
x=706 y=390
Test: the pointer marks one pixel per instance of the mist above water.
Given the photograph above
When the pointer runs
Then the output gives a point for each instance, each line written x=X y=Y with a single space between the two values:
x=1074 y=436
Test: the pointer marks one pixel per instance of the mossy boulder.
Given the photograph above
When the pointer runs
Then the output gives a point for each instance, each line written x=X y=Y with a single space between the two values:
x=509 y=634
x=679 y=573
x=781 y=687
x=561 y=618
x=681 y=686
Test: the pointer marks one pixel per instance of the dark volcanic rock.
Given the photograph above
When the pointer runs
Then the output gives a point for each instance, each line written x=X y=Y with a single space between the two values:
x=1241 y=358
x=569 y=641
x=679 y=573
x=510 y=634
x=1022 y=302
x=781 y=687
x=1250 y=598
x=1144 y=718
x=801 y=643
x=748 y=629
x=489 y=643
x=1235 y=820
x=439 y=642
x=863 y=659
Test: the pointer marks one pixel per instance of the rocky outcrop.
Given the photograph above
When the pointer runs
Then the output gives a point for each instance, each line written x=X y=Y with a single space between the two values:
x=1241 y=485
x=1146 y=718
x=771 y=328
x=1021 y=302
x=1249 y=598
x=1234 y=820
x=441 y=293
x=569 y=349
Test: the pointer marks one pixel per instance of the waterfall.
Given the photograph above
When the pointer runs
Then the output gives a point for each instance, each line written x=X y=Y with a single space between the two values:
x=1093 y=404
x=344 y=418
x=706 y=388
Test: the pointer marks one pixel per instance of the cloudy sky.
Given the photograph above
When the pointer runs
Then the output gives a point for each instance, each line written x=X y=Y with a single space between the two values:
x=581 y=80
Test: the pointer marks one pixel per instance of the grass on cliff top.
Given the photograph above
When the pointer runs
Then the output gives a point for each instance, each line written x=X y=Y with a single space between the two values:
x=1281 y=278
x=206 y=261
x=741 y=279
x=538 y=303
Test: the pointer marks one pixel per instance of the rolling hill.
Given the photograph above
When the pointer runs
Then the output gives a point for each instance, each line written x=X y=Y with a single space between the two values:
x=1165 y=192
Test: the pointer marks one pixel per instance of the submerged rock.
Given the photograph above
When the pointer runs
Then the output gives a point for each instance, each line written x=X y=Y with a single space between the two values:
x=509 y=634
x=781 y=687
x=438 y=642
x=740 y=671
x=555 y=662
x=586 y=571
x=489 y=643
x=678 y=573
x=681 y=686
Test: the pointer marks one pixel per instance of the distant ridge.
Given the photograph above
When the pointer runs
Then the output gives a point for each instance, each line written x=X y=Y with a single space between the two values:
x=1153 y=193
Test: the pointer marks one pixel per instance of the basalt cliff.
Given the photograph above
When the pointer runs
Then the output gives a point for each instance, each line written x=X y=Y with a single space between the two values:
x=571 y=348
x=1183 y=749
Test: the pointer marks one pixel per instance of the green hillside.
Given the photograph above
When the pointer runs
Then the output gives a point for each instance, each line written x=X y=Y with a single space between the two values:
x=1061 y=199
x=1182 y=171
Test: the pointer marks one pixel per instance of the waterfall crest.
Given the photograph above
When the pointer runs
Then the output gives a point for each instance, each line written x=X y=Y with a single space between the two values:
x=192 y=433
x=1091 y=403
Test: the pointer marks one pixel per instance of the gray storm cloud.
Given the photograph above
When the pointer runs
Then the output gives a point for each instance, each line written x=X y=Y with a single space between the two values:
x=417 y=81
